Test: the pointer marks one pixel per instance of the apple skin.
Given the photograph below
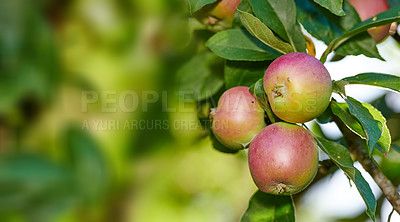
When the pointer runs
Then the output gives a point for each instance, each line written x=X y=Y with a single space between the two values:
x=218 y=15
x=225 y=9
x=283 y=159
x=369 y=8
x=298 y=87
x=237 y=119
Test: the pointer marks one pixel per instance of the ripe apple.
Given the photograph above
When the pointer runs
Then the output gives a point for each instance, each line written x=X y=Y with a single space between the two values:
x=369 y=8
x=283 y=159
x=237 y=119
x=298 y=87
x=225 y=9
x=219 y=14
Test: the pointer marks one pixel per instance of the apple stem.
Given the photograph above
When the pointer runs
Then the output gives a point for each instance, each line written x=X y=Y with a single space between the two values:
x=212 y=113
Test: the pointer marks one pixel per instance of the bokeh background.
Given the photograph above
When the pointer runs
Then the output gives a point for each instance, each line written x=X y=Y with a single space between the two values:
x=71 y=150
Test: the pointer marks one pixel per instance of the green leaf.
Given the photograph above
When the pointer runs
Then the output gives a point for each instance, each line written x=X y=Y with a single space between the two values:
x=387 y=17
x=265 y=207
x=376 y=79
x=326 y=116
x=339 y=87
x=195 y=5
x=202 y=75
x=372 y=128
x=28 y=180
x=342 y=111
x=335 y=6
x=244 y=6
x=263 y=33
x=35 y=74
x=241 y=73
x=237 y=44
x=88 y=164
x=341 y=157
x=280 y=16
x=384 y=142
x=257 y=90
x=325 y=26
x=396 y=147
x=394 y=3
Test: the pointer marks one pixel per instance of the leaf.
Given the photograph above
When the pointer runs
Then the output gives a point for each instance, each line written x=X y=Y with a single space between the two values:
x=280 y=17
x=384 y=142
x=34 y=78
x=341 y=157
x=202 y=76
x=265 y=207
x=244 y=6
x=257 y=90
x=394 y=3
x=88 y=163
x=240 y=73
x=325 y=26
x=376 y=79
x=335 y=6
x=338 y=87
x=342 y=111
x=28 y=180
x=237 y=44
x=386 y=17
x=326 y=116
x=263 y=33
x=195 y=5
x=310 y=46
x=372 y=128
x=396 y=148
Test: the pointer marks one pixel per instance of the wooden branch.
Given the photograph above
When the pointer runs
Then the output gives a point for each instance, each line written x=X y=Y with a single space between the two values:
x=356 y=148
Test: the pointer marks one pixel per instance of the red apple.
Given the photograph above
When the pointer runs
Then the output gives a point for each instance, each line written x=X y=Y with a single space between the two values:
x=225 y=9
x=237 y=119
x=369 y=8
x=283 y=159
x=298 y=87
x=219 y=14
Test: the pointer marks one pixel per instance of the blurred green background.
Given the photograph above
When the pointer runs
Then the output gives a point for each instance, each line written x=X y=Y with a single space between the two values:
x=65 y=159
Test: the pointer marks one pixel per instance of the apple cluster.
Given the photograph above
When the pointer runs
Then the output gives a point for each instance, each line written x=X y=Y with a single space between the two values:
x=283 y=156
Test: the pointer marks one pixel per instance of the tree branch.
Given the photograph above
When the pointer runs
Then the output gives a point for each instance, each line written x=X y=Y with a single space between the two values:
x=354 y=144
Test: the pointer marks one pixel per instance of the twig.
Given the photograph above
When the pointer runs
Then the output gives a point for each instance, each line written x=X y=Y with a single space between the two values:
x=355 y=147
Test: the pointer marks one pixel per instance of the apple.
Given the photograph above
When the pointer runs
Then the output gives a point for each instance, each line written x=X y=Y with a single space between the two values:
x=225 y=9
x=219 y=14
x=369 y=8
x=283 y=159
x=298 y=87
x=237 y=118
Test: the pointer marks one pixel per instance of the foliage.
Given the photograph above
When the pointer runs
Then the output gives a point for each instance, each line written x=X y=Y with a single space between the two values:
x=51 y=169
x=268 y=29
